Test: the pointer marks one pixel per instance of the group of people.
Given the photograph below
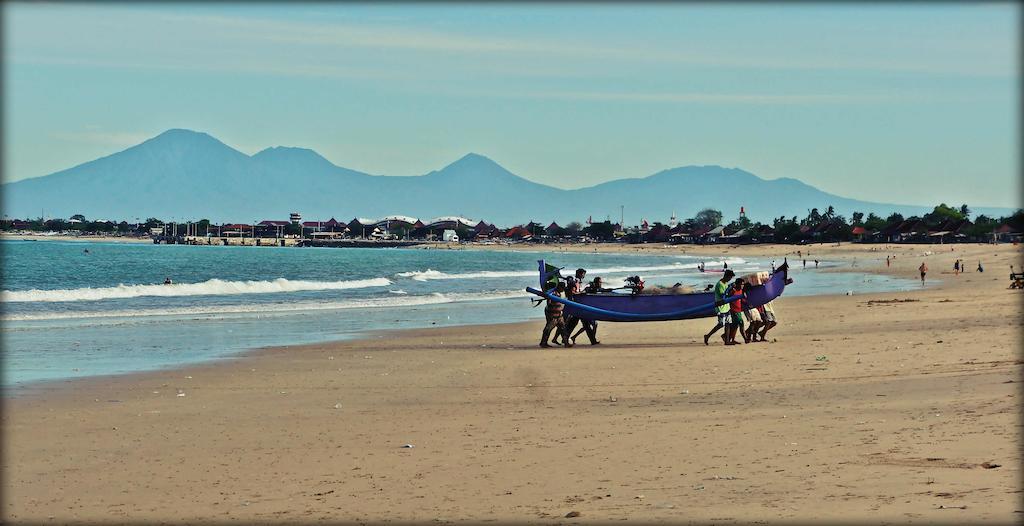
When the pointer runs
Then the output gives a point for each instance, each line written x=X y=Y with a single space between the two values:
x=562 y=325
x=738 y=316
x=960 y=267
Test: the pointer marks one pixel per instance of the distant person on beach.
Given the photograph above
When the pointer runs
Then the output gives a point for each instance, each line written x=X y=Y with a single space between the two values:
x=805 y=263
x=887 y=262
x=924 y=270
x=956 y=267
x=167 y=281
x=725 y=265
x=979 y=267
x=553 y=316
x=722 y=310
x=815 y=263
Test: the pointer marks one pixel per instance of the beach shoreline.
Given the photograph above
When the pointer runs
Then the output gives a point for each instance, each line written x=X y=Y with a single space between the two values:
x=503 y=430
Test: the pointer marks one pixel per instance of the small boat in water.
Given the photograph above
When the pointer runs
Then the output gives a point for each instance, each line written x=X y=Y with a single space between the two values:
x=633 y=306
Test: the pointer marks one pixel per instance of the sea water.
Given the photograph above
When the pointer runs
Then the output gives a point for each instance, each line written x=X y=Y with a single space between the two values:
x=72 y=309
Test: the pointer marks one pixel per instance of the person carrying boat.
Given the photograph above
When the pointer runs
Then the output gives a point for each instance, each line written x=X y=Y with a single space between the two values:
x=736 y=310
x=554 y=320
x=573 y=288
x=590 y=326
x=768 y=320
x=724 y=316
x=752 y=316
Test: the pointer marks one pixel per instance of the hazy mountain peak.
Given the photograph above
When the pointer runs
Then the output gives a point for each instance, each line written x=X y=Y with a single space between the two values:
x=289 y=153
x=474 y=160
x=181 y=135
x=473 y=166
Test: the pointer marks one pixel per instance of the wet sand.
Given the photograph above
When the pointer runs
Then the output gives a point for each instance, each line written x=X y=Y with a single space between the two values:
x=878 y=407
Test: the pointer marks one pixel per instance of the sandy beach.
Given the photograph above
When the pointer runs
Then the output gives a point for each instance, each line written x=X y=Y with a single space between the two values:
x=895 y=407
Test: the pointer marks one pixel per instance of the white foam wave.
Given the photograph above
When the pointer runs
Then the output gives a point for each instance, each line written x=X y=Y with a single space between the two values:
x=213 y=287
x=270 y=309
x=431 y=274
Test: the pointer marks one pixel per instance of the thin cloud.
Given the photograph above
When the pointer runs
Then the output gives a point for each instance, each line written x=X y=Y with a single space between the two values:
x=326 y=49
x=700 y=98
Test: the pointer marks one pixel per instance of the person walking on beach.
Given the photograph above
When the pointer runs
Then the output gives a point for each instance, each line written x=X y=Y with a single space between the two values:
x=805 y=263
x=924 y=270
x=979 y=267
x=887 y=263
x=815 y=263
x=553 y=315
x=956 y=267
x=721 y=310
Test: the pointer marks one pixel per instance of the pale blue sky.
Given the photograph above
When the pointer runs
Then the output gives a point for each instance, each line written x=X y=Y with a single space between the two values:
x=910 y=103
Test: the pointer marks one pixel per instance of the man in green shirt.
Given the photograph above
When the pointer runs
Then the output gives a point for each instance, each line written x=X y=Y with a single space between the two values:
x=724 y=316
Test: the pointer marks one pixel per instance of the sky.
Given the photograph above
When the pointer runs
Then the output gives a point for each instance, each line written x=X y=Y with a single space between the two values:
x=901 y=103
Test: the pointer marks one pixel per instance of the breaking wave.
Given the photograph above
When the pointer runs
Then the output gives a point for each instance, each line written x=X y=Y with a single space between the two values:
x=271 y=309
x=213 y=287
x=431 y=274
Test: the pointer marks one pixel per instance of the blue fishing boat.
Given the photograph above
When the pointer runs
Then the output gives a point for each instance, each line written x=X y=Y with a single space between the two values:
x=635 y=305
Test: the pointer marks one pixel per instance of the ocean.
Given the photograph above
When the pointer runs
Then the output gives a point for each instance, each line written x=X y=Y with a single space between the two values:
x=72 y=309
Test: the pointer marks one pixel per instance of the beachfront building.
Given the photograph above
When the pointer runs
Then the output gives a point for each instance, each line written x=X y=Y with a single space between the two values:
x=361 y=227
x=272 y=228
x=235 y=230
x=450 y=222
x=1006 y=233
x=435 y=228
x=398 y=225
x=518 y=233
x=483 y=230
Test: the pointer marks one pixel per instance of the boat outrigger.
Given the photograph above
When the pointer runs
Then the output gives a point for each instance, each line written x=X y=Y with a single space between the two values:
x=615 y=306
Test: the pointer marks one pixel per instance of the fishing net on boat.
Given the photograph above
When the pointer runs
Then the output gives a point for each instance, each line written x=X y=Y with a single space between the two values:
x=678 y=288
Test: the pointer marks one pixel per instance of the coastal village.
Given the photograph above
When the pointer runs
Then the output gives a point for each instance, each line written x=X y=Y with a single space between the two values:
x=944 y=224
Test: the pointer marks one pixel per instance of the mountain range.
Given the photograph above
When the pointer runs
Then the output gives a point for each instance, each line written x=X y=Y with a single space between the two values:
x=189 y=175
